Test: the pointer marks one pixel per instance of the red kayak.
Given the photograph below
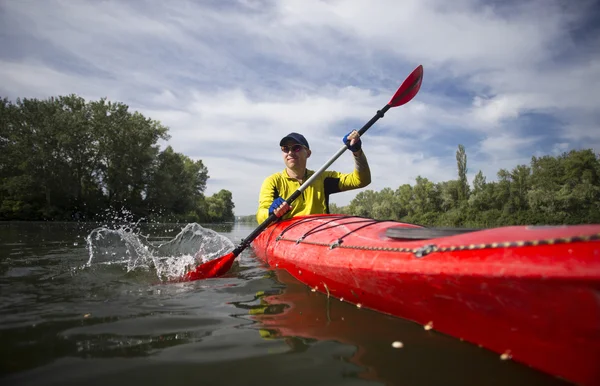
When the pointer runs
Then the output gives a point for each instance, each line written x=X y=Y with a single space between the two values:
x=530 y=293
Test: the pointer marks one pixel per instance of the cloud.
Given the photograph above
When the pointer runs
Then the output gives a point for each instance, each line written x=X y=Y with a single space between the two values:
x=506 y=79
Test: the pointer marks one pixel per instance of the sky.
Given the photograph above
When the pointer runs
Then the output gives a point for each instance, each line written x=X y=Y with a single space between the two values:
x=506 y=79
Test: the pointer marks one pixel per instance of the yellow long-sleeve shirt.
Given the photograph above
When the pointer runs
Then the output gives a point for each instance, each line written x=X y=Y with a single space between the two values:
x=315 y=198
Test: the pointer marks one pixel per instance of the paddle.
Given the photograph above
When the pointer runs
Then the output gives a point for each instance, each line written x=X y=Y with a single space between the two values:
x=221 y=265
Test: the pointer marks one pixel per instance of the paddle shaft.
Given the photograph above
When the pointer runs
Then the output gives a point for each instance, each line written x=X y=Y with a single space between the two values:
x=246 y=242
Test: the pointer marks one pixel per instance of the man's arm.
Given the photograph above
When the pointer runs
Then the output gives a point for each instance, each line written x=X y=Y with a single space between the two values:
x=360 y=177
x=268 y=193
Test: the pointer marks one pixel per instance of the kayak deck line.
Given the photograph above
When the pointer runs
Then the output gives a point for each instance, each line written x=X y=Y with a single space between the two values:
x=423 y=250
x=532 y=291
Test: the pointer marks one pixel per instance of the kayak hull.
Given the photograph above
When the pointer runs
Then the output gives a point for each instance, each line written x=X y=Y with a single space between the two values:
x=528 y=293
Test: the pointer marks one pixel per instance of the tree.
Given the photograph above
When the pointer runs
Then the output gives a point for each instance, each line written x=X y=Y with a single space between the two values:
x=463 y=184
x=483 y=193
x=362 y=204
x=177 y=184
x=64 y=158
x=519 y=187
x=384 y=206
x=220 y=206
x=425 y=198
x=450 y=194
x=127 y=150
x=404 y=195
x=479 y=183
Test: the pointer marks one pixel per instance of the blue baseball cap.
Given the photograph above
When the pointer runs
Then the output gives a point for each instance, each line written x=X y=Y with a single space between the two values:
x=295 y=137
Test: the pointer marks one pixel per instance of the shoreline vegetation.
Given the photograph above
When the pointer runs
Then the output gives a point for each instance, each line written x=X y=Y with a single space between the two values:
x=65 y=159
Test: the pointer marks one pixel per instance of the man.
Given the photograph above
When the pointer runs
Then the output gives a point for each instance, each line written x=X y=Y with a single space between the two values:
x=315 y=199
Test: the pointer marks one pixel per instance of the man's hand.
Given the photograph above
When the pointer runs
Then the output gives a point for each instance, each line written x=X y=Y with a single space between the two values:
x=355 y=142
x=279 y=207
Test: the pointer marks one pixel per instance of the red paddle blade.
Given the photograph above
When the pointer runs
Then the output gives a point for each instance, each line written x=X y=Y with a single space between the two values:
x=213 y=268
x=409 y=88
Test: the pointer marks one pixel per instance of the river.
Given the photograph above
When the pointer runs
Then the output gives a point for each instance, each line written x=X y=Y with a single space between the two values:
x=92 y=304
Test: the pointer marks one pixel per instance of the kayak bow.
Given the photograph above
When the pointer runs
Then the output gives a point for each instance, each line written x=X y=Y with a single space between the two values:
x=528 y=293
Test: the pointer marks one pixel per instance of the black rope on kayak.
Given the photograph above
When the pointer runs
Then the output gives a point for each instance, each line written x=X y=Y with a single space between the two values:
x=369 y=222
x=305 y=220
x=330 y=220
x=323 y=226
x=316 y=229
x=339 y=241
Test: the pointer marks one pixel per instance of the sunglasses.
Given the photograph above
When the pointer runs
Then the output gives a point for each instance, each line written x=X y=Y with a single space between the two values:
x=295 y=148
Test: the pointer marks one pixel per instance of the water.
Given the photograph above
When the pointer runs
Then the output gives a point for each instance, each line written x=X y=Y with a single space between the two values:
x=81 y=305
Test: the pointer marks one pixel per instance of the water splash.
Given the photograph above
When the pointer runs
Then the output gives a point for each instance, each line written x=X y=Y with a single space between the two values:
x=193 y=245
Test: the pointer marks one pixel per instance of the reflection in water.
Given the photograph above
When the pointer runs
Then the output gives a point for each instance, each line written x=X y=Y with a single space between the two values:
x=303 y=318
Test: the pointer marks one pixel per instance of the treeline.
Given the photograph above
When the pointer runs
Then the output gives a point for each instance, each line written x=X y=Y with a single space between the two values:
x=67 y=159
x=550 y=190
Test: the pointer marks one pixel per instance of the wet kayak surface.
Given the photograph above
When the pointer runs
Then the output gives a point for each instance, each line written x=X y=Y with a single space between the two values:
x=75 y=311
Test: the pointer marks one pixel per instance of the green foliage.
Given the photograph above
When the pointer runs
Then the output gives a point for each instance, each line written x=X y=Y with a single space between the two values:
x=176 y=184
x=220 y=206
x=463 y=184
x=551 y=190
x=64 y=158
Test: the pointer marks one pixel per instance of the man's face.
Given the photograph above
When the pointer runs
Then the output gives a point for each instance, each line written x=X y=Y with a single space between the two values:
x=294 y=155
